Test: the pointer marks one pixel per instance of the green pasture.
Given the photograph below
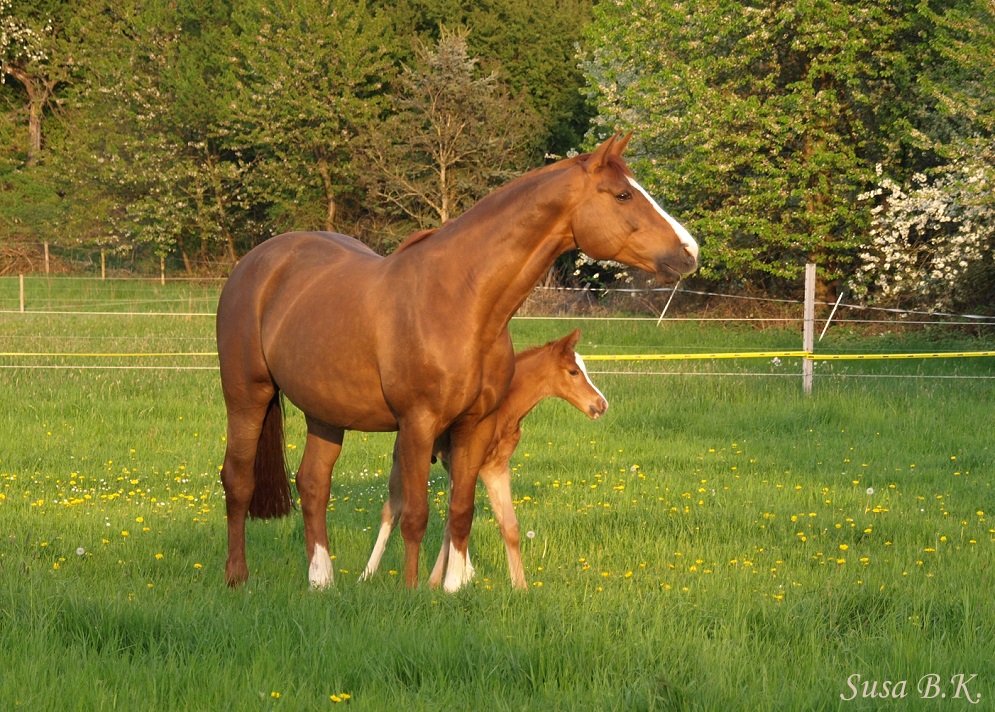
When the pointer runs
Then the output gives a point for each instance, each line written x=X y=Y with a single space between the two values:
x=716 y=542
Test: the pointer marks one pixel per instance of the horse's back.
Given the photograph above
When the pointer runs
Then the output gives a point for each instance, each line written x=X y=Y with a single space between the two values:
x=274 y=275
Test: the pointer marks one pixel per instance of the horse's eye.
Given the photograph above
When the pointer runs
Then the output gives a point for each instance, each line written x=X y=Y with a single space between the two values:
x=623 y=196
x=574 y=372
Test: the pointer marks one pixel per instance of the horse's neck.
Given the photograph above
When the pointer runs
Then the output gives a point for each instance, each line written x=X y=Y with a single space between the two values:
x=498 y=251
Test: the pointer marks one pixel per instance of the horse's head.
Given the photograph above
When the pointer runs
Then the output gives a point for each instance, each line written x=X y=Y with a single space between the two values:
x=616 y=219
x=569 y=379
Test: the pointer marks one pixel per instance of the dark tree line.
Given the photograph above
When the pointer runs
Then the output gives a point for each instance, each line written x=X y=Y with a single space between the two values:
x=856 y=134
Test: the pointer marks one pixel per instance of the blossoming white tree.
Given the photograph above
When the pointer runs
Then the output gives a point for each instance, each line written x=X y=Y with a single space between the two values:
x=931 y=239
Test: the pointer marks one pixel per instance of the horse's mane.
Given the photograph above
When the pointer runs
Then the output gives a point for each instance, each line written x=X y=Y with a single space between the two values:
x=414 y=237
x=613 y=162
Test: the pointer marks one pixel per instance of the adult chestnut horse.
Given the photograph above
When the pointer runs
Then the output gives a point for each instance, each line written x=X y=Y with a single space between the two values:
x=415 y=342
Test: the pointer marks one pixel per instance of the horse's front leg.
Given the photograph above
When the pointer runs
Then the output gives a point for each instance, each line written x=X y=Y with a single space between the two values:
x=470 y=445
x=413 y=457
x=389 y=517
x=314 y=484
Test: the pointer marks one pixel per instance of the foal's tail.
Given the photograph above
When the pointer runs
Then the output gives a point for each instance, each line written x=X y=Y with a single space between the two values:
x=271 y=496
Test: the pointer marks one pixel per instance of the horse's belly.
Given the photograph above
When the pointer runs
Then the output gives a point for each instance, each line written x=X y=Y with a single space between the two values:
x=347 y=396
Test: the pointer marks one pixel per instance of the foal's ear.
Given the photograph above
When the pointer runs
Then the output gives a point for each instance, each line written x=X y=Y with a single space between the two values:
x=571 y=339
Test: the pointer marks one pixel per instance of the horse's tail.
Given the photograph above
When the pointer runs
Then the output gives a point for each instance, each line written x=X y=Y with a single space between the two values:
x=271 y=496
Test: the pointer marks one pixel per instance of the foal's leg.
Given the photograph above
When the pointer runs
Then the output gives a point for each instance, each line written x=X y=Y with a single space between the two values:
x=389 y=517
x=497 y=479
x=314 y=482
x=441 y=561
x=244 y=427
x=470 y=445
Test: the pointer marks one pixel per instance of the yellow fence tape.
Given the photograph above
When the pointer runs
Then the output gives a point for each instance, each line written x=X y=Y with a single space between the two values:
x=587 y=357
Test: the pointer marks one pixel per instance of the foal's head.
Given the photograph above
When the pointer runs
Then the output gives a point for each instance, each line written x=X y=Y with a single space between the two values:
x=618 y=220
x=566 y=377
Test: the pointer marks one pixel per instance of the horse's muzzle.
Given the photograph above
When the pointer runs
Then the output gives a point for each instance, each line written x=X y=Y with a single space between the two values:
x=671 y=267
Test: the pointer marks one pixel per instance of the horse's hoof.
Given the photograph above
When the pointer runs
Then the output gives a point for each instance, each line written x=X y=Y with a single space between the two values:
x=320 y=571
x=236 y=575
x=459 y=570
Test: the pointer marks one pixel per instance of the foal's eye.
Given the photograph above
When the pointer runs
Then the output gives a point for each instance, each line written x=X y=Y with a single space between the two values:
x=623 y=196
x=574 y=372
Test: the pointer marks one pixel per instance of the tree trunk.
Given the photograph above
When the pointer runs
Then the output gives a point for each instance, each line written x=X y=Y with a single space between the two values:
x=330 y=202
x=38 y=95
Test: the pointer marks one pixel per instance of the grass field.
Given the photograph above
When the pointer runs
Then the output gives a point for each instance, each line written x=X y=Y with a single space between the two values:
x=713 y=543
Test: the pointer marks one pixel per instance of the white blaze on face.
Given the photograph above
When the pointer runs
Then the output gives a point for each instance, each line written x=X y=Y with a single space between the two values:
x=583 y=369
x=682 y=233
x=320 y=570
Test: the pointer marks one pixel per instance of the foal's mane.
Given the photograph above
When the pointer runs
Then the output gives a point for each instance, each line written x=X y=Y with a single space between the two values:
x=532 y=351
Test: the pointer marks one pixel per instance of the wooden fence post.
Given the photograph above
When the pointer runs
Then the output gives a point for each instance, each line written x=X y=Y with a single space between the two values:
x=21 y=280
x=808 y=334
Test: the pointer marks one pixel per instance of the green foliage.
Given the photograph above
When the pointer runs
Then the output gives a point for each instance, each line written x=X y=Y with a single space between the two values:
x=531 y=45
x=198 y=128
x=297 y=112
x=452 y=135
x=760 y=125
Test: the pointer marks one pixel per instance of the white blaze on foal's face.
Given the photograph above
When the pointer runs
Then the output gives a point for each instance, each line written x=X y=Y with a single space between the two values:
x=685 y=237
x=583 y=369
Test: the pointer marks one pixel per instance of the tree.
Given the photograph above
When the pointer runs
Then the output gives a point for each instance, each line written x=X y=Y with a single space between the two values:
x=454 y=135
x=48 y=49
x=309 y=76
x=532 y=44
x=931 y=240
x=760 y=125
x=141 y=157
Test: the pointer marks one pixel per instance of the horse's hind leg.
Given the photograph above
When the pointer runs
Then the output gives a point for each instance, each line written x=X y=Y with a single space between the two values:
x=389 y=517
x=238 y=479
x=314 y=483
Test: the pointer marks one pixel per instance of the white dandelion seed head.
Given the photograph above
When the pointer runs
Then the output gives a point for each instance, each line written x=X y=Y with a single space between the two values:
x=80 y=551
x=530 y=534
x=870 y=490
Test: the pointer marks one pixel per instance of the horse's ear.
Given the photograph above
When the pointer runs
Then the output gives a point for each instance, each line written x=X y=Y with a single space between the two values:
x=599 y=159
x=621 y=144
x=571 y=339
